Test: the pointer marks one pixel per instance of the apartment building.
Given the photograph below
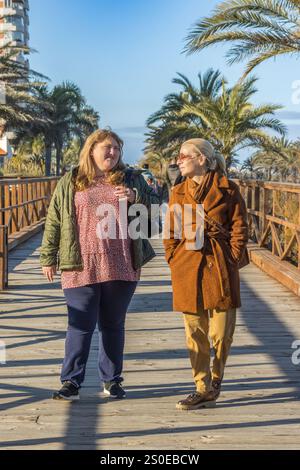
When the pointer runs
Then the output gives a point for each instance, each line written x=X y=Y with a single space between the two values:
x=14 y=23
x=14 y=29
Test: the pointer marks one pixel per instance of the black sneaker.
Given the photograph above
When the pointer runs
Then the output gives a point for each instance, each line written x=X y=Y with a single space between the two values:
x=114 y=390
x=68 y=392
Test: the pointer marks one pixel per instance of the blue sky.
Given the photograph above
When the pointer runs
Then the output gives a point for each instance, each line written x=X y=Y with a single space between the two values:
x=124 y=53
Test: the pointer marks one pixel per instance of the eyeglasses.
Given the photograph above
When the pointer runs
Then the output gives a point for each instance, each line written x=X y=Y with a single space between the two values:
x=183 y=158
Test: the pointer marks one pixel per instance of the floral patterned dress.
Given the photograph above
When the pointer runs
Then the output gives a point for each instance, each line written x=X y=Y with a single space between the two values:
x=104 y=243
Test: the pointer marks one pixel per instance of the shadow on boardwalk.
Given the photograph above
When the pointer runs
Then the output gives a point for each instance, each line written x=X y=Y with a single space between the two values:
x=83 y=420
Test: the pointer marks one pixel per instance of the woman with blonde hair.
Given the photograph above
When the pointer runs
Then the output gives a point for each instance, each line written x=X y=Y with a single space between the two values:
x=100 y=268
x=205 y=270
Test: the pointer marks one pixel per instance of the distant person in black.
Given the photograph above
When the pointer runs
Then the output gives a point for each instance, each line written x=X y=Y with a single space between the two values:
x=174 y=175
x=162 y=190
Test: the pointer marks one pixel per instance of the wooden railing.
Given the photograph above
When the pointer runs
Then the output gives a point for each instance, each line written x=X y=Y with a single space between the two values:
x=274 y=217
x=23 y=205
x=273 y=210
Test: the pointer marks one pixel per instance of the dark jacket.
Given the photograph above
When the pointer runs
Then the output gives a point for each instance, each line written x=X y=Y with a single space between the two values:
x=173 y=174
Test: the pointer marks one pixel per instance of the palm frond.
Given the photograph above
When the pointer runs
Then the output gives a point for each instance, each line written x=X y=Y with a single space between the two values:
x=259 y=28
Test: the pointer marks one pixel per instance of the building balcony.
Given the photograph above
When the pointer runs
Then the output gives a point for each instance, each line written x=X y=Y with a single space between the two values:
x=11 y=27
x=16 y=11
x=13 y=7
x=23 y=3
x=4 y=42
x=13 y=37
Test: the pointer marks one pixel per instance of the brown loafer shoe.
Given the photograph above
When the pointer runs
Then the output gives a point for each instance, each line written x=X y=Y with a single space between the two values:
x=197 y=400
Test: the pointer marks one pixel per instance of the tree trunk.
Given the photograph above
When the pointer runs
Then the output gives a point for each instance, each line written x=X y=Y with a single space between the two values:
x=270 y=174
x=48 y=155
x=58 y=148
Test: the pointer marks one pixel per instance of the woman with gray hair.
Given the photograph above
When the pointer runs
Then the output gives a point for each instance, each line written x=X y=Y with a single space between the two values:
x=205 y=277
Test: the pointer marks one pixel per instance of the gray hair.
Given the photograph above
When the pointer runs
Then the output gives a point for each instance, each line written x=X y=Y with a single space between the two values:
x=215 y=160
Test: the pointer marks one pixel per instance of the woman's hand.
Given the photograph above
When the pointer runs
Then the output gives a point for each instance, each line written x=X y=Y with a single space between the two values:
x=123 y=192
x=49 y=272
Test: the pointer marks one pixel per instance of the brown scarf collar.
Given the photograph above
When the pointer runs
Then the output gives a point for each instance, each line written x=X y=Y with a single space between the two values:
x=199 y=191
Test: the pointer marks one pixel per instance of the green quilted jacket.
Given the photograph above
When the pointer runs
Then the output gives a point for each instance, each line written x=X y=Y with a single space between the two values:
x=60 y=245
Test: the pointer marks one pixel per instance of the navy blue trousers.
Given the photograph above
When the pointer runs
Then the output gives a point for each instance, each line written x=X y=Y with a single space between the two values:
x=105 y=304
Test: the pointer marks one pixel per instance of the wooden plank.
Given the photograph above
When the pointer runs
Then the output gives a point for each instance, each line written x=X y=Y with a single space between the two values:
x=3 y=257
x=258 y=407
x=281 y=271
x=21 y=218
x=7 y=203
x=14 y=201
x=25 y=234
x=277 y=250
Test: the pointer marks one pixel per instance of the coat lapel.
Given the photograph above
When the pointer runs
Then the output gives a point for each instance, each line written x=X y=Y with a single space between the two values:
x=215 y=194
x=213 y=197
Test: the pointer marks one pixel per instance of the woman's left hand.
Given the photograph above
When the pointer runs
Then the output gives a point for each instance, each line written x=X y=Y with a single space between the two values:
x=123 y=192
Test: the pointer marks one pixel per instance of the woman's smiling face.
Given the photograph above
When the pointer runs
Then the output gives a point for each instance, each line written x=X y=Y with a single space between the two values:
x=106 y=154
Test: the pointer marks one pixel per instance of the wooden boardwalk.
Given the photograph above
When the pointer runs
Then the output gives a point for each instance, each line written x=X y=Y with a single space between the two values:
x=258 y=409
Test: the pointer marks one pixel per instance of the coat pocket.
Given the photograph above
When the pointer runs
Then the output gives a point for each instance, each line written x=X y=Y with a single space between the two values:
x=175 y=251
x=228 y=255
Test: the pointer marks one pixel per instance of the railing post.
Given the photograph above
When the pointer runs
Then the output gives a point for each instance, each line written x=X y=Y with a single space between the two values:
x=26 y=218
x=30 y=206
x=20 y=201
x=255 y=206
x=14 y=202
x=297 y=237
x=7 y=203
x=35 y=205
x=263 y=209
x=2 y=204
x=274 y=198
x=248 y=197
x=38 y=193
x=3 y=257
x=43 y=203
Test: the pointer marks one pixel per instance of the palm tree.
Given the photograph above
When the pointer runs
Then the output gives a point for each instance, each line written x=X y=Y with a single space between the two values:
x=258 y=29
x=280 y=156
x=33 y=111
x=225 y=117
x=157 y=161
x=174 y=127
x=67 y=115
x=33 y=150
x=71 y=152
x=86 y=120
x=71 y=117
x=20 y=102
x=250 y=166
x=232 y=122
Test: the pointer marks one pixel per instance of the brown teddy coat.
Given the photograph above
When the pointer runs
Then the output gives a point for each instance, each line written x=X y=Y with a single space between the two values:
x=210 y=274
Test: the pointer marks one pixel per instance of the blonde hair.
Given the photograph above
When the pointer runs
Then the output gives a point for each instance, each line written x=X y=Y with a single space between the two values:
x=215 y=160
x=86 y=171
